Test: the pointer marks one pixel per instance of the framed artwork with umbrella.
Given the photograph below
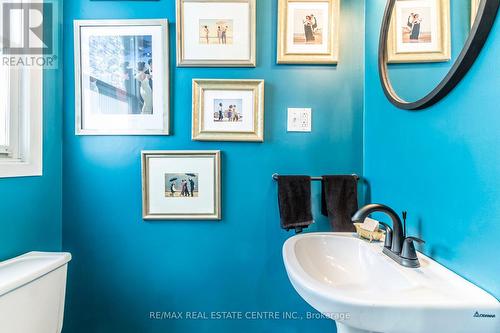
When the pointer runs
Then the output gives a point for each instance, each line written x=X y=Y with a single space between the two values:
x=181 y=185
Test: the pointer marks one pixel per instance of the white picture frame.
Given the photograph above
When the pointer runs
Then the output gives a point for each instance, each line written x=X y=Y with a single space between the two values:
x=122 y=77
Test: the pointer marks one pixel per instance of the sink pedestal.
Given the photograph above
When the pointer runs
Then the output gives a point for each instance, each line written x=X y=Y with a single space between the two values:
x=341 y=328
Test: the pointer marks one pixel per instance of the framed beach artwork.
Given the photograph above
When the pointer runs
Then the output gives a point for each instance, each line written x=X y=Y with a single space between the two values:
x=216 y=33
x=308 y=31
x=228 y=110
x=181 y=185
x=420 y=32
x=121 y=77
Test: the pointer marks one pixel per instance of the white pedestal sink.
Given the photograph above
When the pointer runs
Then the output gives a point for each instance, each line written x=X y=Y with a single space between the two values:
x=338 y=273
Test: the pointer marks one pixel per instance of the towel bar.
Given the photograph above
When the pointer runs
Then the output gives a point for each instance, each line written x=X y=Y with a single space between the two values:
x=276 y=176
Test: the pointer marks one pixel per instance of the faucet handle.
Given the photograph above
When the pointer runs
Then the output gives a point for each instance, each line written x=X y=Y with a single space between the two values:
x=415 y=239
x=388 y=235
x=409 y=251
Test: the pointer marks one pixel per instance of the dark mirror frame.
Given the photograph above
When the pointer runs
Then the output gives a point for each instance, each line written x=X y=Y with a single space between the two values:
x=480 y=30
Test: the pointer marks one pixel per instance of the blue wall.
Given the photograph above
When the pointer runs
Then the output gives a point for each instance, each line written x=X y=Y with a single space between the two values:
x=32 y=206
x=441 y=164
x=123 y=268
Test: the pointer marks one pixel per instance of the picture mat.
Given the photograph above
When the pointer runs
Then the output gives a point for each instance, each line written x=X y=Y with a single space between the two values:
x=161 y=205
x=239 y=49
x=401 y=20
x=308 y=48
x=95 y=121
x=248 y=123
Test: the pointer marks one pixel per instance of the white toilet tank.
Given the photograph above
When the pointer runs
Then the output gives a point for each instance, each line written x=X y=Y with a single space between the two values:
x=32 y=291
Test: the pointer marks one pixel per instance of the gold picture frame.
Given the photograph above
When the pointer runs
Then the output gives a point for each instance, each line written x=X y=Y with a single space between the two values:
x=293 y=48
x=443 y=35
x=243 y=123
x=208 y=57
x=474 y=6
x=173 y=207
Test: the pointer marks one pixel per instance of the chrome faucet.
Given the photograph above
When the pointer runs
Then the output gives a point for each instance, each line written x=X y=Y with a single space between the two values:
x=397 y=246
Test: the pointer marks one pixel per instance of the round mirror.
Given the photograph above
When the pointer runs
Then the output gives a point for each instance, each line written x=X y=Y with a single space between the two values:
x=427 y=46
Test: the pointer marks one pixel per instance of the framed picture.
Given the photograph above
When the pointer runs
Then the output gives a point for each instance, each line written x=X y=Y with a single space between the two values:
x=474 y=7
x=121 y=77
x=181 y=185
x=228 y=110
x=308 y=31
x=216 y=33
x=420 y=32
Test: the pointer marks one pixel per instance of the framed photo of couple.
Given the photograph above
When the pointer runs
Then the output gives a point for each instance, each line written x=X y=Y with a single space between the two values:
x=420 y=32
x=216 y=33
x=228 y=110
x=308 y=31
x=121 y=77
x=181 y=185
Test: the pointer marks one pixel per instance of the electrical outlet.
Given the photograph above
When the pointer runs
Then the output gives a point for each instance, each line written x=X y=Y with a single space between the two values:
x=299 y=120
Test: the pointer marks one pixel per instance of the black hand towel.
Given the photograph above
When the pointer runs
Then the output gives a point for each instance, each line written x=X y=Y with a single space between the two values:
x=339 y=201
x=294 y=198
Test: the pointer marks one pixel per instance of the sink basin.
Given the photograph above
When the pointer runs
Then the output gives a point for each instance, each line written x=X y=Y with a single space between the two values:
x=349 y=280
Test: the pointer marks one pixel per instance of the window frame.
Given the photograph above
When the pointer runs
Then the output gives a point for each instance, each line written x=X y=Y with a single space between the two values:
x=23 y=157
x=10 y=151
x=26 y=157
x=5 y=148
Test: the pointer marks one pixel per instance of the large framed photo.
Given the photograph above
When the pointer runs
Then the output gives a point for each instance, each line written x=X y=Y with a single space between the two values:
x=121 y=77
x=308 y=31
x=181 y=185
x=228 y=110
x=420 y=32
x=216 y=33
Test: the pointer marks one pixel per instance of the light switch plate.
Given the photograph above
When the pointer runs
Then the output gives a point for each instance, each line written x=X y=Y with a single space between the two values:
x=299 y=120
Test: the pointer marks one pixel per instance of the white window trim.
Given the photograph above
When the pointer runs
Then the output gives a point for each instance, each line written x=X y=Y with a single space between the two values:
x=5 y=150
x=31 y=114
x=10 y=150
x=28 y=106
